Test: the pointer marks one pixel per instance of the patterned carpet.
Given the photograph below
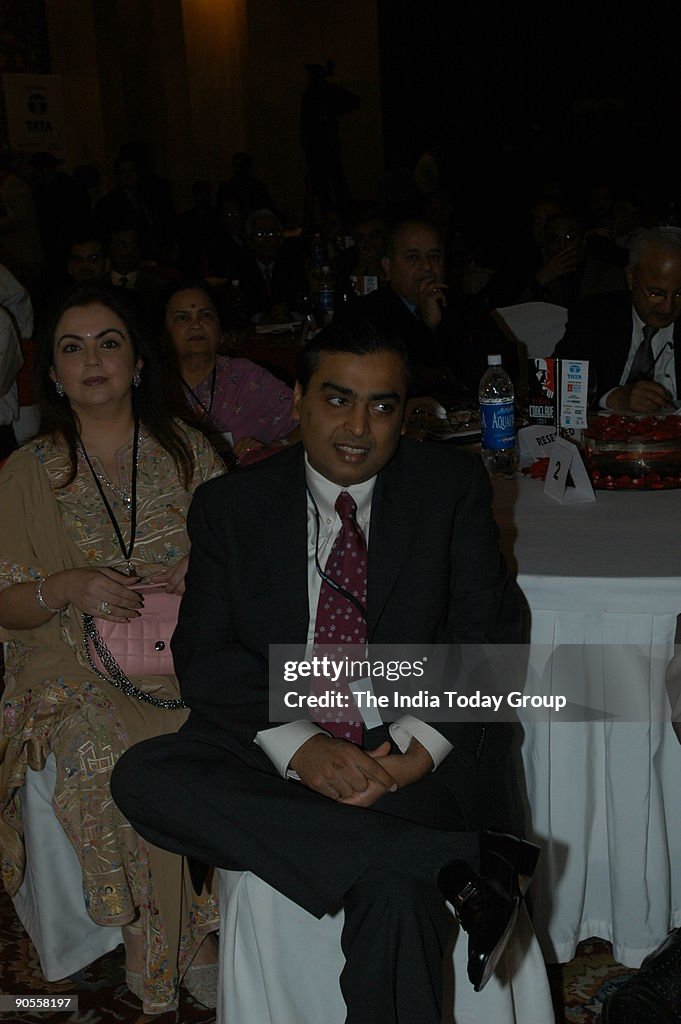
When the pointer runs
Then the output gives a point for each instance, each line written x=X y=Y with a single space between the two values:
x=103 y=997
x=578 y=987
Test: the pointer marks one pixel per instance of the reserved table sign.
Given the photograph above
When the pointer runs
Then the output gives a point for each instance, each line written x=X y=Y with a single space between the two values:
x=567 y=480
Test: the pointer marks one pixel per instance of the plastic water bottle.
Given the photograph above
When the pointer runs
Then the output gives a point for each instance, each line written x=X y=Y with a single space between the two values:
x=236 y=320
x=497 y=420
x=327 y=287
x=317 y=252
x=237 y=315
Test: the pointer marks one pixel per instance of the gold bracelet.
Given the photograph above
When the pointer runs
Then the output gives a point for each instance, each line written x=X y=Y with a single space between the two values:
x=41 y=600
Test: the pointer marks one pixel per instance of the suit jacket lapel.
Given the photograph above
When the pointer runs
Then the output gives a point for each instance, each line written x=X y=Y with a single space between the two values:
x=677 y=356
x=394 y=511
x=287 y=551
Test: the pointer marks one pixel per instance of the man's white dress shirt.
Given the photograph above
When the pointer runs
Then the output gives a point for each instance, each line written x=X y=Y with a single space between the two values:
x=323 y=524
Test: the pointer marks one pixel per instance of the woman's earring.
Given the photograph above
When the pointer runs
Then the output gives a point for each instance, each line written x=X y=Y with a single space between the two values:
x=136 y=379
x=59 y=388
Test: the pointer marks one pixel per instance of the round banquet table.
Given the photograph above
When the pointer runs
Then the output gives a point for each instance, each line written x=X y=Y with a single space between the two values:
x=604 y=796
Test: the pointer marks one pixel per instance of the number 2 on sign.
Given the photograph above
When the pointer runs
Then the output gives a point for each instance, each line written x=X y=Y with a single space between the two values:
x=559 y=466
x=565 y=463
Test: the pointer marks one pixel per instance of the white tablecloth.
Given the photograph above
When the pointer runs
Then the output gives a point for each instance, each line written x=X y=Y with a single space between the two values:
x=604 y=798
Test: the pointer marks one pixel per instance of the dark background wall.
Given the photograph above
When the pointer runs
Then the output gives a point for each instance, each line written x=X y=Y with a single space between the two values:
x=515 y=94
x=521 y=92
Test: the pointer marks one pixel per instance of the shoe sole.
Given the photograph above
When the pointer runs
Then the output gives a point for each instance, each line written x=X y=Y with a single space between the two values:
x=496 y=954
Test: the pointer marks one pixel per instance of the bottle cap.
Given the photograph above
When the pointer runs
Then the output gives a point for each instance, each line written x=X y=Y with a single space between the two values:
x=326 y=269
x=235 y=284
x=494 y=360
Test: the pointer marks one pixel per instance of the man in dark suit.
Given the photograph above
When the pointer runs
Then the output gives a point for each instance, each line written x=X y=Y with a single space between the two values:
x=272 y=273
x=377 y=827
x=447 y=346
x=633 y=339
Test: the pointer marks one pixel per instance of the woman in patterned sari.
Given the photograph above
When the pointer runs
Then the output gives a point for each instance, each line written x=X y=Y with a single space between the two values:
x=97 y=502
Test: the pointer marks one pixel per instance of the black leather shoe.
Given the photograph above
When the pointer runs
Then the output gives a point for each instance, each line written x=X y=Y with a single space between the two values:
x=653 y=996
x=198 y=873
x=483 y=913
x=486 y=905
x=507 y=861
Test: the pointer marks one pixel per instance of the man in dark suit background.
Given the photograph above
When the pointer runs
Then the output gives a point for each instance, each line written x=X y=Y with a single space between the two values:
x=447 y=345
x=272 y=272
x=378 y=827
x=633 y=339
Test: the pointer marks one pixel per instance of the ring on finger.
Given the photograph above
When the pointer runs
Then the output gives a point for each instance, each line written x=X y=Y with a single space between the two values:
x=104 y=607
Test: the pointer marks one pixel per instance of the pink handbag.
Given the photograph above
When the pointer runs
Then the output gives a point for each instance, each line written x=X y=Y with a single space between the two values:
x=117 y=650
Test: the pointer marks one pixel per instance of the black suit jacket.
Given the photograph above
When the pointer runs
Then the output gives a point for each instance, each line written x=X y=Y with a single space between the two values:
x=461 y=343
x=288 y=285
x=435 y=576
x=599 y=329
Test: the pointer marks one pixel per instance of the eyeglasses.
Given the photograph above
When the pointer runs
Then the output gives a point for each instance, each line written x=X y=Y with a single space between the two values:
x=266 y=234
x=656 y=295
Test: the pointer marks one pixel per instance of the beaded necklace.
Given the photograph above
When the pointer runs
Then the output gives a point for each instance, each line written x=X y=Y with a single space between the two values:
x=193 y=397
x=131 y=500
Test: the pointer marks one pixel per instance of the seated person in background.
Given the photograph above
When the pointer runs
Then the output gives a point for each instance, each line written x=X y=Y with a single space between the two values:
x=86 y=261
x=250 y=193
x=364 y=258
x=226 y=244
x=142 y=284
x=194 y=228
x=11 y=361
x=633 y=339
x=561 y=267
x=97 y=501
x=273 y=279
x=86 y=264
x=60 y=202
x=576 y=266
x=524 y=253
x=447 y=348
x=140 y=199
x=229 y=395
x=16 y=300
x=385 y=823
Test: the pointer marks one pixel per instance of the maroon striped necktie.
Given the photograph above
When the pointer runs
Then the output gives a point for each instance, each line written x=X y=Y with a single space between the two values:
x=339 y=622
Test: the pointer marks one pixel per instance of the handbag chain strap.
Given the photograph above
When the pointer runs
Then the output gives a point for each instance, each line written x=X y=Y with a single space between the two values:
x=117 y=676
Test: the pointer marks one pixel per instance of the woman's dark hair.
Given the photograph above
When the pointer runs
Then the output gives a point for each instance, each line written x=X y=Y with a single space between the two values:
x=150 y=404
x=187 y=284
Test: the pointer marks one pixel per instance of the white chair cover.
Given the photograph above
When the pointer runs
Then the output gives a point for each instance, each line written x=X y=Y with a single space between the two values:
x=50 y=902
x=536 y=327
x=274 y=958
x=26 y=426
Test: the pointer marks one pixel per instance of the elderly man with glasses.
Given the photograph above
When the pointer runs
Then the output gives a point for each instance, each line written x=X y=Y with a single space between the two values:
x=272 y=274
x=633 y=339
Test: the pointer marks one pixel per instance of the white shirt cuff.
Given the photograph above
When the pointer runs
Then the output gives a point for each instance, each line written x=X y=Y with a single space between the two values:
x=603 y=400
x=281 y=742
x=407 y=727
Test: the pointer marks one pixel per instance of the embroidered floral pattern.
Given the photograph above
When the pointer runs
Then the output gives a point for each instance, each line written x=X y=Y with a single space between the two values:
x=88 y=729
x=248 y=401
